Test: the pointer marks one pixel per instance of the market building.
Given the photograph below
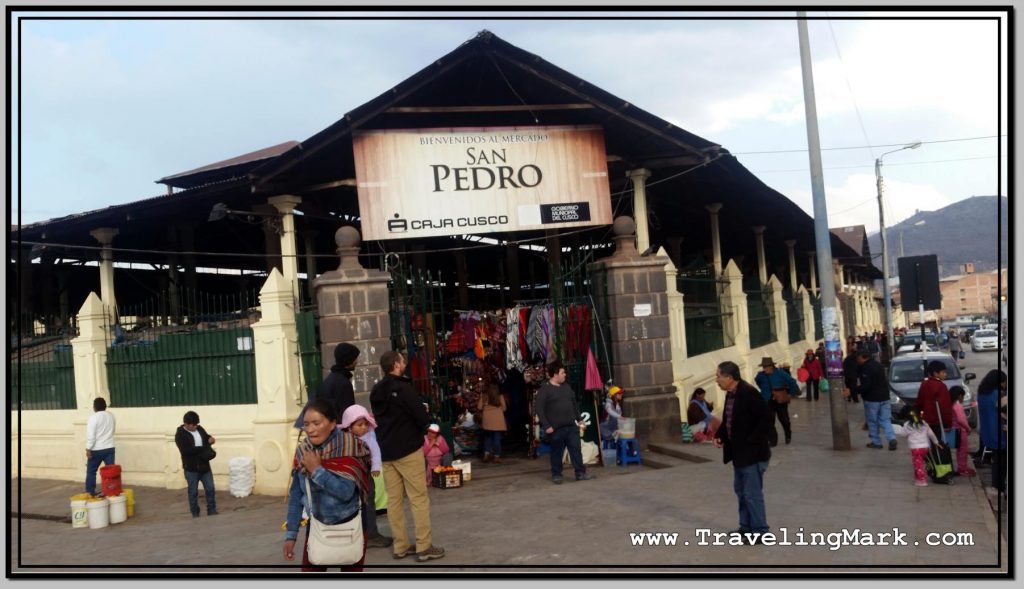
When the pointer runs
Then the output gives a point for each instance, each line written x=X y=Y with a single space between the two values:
x=487 y=215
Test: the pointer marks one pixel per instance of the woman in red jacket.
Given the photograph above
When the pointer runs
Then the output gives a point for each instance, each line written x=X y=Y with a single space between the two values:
x=814 y=373
x=933 y=391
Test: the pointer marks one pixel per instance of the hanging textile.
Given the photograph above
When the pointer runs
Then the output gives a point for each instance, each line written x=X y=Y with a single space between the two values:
x=593 y=378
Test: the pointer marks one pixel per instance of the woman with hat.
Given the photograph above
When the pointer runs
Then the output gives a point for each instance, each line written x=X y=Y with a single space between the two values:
x=814 y=373
x=776 y=387
x=612 y=411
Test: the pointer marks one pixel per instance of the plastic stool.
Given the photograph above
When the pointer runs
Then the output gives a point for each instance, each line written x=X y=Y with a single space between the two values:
x=628 y=452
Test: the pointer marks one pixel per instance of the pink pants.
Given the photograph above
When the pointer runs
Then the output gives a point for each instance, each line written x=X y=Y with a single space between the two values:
x=963 y=463
x=918 y=454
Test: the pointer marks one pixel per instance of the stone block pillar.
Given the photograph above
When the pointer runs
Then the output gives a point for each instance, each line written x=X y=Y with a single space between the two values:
x=353 y=307
x=105 y=235
x=278 y=385
x=285 y=205
x=640 y=336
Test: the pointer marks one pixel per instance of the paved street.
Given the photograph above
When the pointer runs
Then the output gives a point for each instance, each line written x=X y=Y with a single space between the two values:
x=510 y=517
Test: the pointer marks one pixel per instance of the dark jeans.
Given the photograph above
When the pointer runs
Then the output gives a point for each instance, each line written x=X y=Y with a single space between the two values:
x=105 y=456
x=999 y=469
x=812 y=388
x=779 y=411
x=567 y=436
x=193 y=478
x=748 y=483
x=370 y=511
x=492 y=442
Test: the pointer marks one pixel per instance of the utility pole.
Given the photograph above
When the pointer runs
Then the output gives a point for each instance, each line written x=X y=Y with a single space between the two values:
x=829 y=316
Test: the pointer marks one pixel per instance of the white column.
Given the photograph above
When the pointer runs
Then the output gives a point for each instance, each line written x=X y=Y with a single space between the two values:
x=285 y=204
x=105 y=235
x=791 y=244
x=814 y=273
x=762 y=270
x=639 y=178
x=716 y=244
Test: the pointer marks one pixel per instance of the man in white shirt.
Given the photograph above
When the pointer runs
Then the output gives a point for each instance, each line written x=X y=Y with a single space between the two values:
x=99 y=442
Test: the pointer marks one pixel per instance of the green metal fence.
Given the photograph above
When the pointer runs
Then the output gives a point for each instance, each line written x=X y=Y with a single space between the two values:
x=309 y=351
x=215 y=367
x=761 y=318
x=702 y=308
x=44 y=381
x=795 y=318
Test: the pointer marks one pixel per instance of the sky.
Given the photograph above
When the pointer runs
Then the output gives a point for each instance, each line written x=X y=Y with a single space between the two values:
x=108 y=107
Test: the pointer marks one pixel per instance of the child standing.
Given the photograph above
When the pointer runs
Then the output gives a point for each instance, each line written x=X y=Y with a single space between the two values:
x=358 y=421
x=963 y=465
x=434 y=449
x=918 y=435
x=492 y=404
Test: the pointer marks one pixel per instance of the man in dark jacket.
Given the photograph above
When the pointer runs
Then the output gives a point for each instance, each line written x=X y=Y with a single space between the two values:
x=874 y=389
x=337 y=387
x=559 y=418
x=743 y=436
x=401 y=423
x=195 y=446
x=850 y=373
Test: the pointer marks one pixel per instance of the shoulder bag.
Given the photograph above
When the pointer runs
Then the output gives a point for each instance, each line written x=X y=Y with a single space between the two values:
x=339 y=544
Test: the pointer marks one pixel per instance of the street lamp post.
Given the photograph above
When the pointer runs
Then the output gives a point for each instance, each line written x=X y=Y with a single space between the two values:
x=886 y=294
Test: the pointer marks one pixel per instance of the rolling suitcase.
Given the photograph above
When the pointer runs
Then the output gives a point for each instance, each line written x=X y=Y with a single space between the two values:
x=938 y=463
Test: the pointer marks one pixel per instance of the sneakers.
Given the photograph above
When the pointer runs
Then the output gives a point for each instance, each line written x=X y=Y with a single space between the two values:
x=892 y=444
x=214 y=512
x=921 y=483
x=399 y=555
x=585 y=477
x=556 y=480
x=430 y=554
x=379 y=541
x=874 y=445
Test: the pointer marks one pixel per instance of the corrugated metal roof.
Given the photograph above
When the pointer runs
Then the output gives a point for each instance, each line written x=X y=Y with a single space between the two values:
x=251 y=157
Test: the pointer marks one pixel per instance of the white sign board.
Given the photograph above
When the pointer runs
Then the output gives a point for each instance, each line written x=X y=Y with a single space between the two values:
x=642 y=310
x=434 y=182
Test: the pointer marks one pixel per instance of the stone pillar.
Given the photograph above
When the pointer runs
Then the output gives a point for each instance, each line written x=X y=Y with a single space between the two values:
x=736 y=321
x=105 y=235
x=677 y=330
x=643 y=236
x=353 y=307
x=808 y=310
x=278 y=385
x=762 y=269
x=640 y=336
x=779 y=312
x=716 y=244
x=90 y=350
x=814 y=273
x=790 y=244
x=285 y=204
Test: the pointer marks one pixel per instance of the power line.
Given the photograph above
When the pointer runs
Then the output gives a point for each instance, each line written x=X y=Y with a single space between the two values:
x=963 y=159
x=866 y=146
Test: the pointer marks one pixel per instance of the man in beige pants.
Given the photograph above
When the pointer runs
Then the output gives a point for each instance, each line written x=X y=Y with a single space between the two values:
x=401 y=422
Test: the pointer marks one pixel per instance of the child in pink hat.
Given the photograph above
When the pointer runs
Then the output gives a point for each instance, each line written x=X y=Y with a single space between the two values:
x=358 y=421
x=434 y=449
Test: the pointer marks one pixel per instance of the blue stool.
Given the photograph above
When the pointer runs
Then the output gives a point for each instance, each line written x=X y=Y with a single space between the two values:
x=628 y=452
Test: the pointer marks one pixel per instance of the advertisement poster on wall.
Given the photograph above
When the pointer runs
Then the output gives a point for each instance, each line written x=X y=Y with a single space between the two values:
x=457 y=181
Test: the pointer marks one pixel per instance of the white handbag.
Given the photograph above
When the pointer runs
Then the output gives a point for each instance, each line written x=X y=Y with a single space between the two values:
x=340 y=544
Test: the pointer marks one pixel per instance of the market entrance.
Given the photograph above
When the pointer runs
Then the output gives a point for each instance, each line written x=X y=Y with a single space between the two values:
x=455 y=349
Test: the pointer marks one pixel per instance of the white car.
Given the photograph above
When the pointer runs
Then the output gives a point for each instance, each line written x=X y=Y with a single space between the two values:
x=984 y=339
x=914 y=349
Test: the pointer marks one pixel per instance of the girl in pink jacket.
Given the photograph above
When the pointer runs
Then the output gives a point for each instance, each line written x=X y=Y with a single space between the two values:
x=434 y=449
x=963 y=463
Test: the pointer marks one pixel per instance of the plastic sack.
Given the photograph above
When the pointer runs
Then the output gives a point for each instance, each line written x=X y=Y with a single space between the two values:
x=241 y=476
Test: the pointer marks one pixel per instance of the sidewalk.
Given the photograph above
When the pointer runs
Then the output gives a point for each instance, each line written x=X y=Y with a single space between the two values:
x=510 y=518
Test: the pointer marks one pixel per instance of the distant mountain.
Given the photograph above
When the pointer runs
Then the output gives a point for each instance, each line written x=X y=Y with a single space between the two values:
x=965 y=231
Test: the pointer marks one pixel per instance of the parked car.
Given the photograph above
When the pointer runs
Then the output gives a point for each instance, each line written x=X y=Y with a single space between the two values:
x=912 y=338
x=984 y=339
x=907 y=372
x=914 y=348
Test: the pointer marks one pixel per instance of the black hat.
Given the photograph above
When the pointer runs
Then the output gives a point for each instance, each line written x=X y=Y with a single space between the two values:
x=345 y=354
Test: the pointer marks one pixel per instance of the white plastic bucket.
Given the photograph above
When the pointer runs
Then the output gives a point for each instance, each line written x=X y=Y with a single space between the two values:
x=118 y=509
x=99 y=513
x=627 y=427
x=79 y=515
